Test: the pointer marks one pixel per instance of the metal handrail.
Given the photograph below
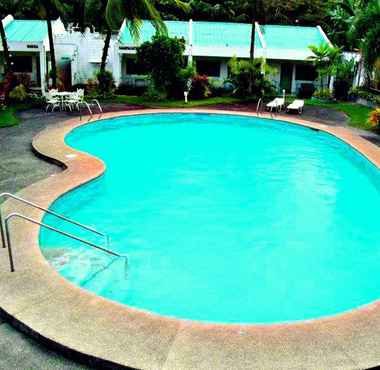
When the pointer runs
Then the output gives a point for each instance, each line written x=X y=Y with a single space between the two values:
x=22 y=200
x=258 y=106
x=7 y=235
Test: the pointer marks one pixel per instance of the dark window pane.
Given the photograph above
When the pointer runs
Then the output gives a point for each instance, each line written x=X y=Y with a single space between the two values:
x=208 y=67
x=305 y=72
x=22 y=64
x=133 y=68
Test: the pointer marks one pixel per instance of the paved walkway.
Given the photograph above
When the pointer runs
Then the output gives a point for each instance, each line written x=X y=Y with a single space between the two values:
x=19 y=167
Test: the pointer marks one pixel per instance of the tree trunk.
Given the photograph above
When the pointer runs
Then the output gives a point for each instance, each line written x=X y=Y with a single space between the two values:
x=252 y=49
x=7 y=62
x=52 y=53
x=251 y=57
x=107 y=42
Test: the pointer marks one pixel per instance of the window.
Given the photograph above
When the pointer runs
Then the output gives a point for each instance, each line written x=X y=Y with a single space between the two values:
x=208 y=67
x=22 y=64
x=305 y=72
x=133 y=68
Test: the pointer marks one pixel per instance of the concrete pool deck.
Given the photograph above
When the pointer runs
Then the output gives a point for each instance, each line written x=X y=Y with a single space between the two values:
x=37 y=299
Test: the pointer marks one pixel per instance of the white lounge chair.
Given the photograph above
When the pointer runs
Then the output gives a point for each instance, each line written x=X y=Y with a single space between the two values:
x=277 y=103
x=297 y=104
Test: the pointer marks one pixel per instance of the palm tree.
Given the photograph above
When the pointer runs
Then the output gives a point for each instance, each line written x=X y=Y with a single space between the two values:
x=366 y=29
x=133 y=12
x=47 y=9
x=324 y=59
x=257 y=14
x=94 y=15
x=6 y=7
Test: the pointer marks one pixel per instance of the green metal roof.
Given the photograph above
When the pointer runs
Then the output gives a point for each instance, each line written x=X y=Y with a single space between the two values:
x=234 y=35
x=223 y=34
x=175 y=29
x=26 y=31
x=291 y=37
x=216 y=34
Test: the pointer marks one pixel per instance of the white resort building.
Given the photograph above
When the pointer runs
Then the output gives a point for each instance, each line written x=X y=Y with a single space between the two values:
x=210 y=44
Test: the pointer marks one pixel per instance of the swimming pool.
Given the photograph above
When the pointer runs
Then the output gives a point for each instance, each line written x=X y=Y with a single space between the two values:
x=223 y=219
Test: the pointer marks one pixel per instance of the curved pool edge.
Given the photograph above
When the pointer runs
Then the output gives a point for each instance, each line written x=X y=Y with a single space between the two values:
x=83 y=323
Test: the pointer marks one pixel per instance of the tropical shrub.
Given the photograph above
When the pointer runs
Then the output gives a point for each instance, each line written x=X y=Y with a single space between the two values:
x=324 y=94
x=154 y=94
x=306 y=91
x=105 y=83
x=200 y=87
x=249 y=78
x=374 y=118
x=23 y=79
x=9 y=83
x=344 y=75
x=324 y=59
x=365 y=94
x=163 y=59
x=19 y=93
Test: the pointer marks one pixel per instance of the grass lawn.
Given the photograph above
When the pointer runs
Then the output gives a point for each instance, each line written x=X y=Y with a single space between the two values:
x=8 y=117
x=357 y=113
x=140 y=100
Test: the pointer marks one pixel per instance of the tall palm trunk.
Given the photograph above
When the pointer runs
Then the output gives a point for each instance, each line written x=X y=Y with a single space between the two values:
x=52 y=53
x=106 y=47
x=251 y=57
x=7 y=63
x=252 y=49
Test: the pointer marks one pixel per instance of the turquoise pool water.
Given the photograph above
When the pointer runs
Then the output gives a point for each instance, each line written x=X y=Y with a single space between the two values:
x=224 y=219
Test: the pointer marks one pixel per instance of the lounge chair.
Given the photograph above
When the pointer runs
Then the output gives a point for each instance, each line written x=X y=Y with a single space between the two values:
x=297 y=104
x=277 y=103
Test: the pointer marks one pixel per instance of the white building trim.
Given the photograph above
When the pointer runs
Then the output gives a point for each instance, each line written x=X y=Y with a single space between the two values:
x=190 y=48
x=324 y=36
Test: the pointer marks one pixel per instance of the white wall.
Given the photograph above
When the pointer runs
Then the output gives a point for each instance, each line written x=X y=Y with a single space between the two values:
x=85 y=51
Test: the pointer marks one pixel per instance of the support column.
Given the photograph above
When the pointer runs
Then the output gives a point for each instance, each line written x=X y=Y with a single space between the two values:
x=190 y=57
x=293 y=86
x=331 y=86
x=43 y=70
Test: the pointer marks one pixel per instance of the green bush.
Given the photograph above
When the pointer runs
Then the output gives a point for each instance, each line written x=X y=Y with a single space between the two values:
x=365 y=94
x=200 y=87
x=163 y=59
x=344 y=75
x=324 y=94
x=374 y=118
x=105 y=84
x=249 y=78
x=19 y=93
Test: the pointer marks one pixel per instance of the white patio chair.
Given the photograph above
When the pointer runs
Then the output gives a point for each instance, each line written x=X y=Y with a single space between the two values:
x=51 y=101
x=277 y=103
x=76 y=101
x=297 y=104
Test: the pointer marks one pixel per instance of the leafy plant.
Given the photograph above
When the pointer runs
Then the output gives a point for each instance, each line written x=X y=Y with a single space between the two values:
x=105 y=83
x=250 y=78
x=324 y=59
x=163 y=59
x=19 y=93
x=200 y=87
x=366 y=29
x=374 y=118
x=344 y=73
x=365 y=94
x=324 y=93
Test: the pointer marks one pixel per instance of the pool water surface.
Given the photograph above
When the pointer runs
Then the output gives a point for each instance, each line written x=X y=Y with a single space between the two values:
x=223 y=218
